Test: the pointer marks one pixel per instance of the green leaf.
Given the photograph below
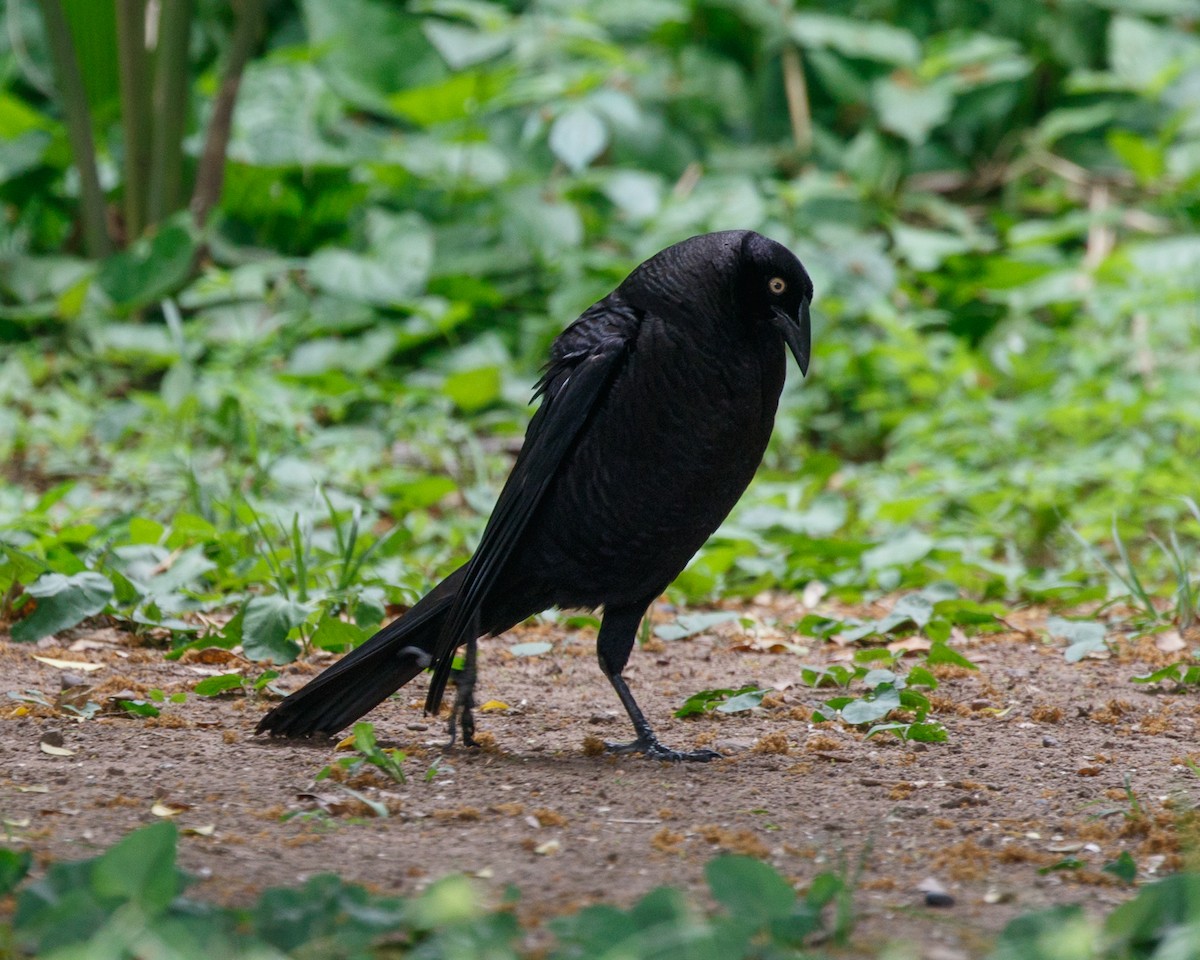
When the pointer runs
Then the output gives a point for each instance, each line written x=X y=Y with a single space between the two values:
x=910 y=108
x=747 y=700
x=264 y=678
x=150 y=269
x=901 y=550
x=578 y=137
x=706 y=700
x=473 y=390
x=1084 y=636
x=926 y=732
x=214 y=686
x=462 y=46
x=912 y=608
x=532 y=649
x=394 y=268
x=22 y=153
x=455 y=98
x=334 y=633
x=1123 y=868
x=369 y=49
x=752 y=892
x=853 y=37
x=689 y=624
x=62 y=602
x=940 y=653
x=1060 y=933
x=1181 y=673
x=141 y=868
x=1146 y=56
x=1145 y=158
x=1164 y=911
x=139 y=708
x=866 y=710
x=356 y=355
x=14 y=866
x=268 y=620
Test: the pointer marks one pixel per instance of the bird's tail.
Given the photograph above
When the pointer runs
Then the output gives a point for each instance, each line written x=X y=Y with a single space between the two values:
x=366 y=676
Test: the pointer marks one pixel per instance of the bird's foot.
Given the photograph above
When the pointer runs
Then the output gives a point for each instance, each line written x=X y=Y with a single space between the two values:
x=650 y=747
x=461 y=718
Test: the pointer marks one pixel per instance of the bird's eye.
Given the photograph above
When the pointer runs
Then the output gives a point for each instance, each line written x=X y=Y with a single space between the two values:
x=776 y=285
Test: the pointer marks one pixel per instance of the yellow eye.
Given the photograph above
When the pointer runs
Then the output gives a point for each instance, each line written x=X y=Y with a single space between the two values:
x=776 y=285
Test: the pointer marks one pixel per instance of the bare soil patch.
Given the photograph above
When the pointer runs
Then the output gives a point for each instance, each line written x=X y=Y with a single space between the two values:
x=1041 y=764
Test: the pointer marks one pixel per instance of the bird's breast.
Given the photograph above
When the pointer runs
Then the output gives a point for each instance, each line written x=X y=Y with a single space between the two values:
x=661 y=462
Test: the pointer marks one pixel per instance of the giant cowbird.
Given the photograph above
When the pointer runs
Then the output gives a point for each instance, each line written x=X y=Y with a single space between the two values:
x=656 y=407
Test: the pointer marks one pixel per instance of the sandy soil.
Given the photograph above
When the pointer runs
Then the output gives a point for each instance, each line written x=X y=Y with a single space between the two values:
x=1035 y=770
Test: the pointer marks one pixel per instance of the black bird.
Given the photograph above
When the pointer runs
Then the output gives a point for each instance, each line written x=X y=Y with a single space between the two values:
x=657 y=404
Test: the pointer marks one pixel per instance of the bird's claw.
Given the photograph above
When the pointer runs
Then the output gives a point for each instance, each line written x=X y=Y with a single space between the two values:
x=461 y=718
x=653 y=750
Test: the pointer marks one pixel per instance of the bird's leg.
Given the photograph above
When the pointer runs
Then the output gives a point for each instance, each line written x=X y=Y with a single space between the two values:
x=613 y=646
x=462 y=715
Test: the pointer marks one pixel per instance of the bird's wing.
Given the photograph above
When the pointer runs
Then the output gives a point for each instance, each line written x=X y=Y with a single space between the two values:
x=586 y=357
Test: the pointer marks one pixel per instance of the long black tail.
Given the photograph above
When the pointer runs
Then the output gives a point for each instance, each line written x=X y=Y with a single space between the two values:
x=366 y=676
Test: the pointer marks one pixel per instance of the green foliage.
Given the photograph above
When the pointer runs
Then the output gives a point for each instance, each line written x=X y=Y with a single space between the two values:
x=998 y=205
x=887 y=692
x=62 y=601
x=130 y=900
x=368 y=752
x=722 y=701
x=690 y=624
x=1084 y=636
x=1184 y=673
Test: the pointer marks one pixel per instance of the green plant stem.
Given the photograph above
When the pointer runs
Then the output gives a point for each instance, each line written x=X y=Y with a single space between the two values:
x=96 y=239
x=170 y=109
x=136 y=119
x=251 y=15
x=796 y=91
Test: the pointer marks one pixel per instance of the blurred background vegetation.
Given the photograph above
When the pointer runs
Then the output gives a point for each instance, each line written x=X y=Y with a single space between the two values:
x=296 y=393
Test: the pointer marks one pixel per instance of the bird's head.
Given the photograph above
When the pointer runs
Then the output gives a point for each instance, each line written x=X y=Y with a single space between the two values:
x=777 y=290
x=760 y=280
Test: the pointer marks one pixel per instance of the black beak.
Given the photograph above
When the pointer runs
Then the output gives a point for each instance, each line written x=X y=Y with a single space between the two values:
x=797 y=333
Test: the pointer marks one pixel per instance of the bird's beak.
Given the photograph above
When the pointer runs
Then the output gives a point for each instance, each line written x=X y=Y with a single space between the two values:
x=797 y=333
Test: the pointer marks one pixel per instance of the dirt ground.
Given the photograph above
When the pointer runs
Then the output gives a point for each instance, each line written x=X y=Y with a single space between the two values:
x=1036 y=769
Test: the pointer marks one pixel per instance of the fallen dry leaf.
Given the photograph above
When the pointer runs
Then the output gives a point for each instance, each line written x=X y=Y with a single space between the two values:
x=85 y=644
x=68 y=664
x=210 y=655
x=1169 y=641
x=55 y=751
x=909 y=644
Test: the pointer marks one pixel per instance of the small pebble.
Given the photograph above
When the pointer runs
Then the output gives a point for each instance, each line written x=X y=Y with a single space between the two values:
x=936 y=899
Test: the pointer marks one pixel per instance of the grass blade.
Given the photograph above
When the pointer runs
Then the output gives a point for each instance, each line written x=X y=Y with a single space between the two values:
x=1139 y=591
